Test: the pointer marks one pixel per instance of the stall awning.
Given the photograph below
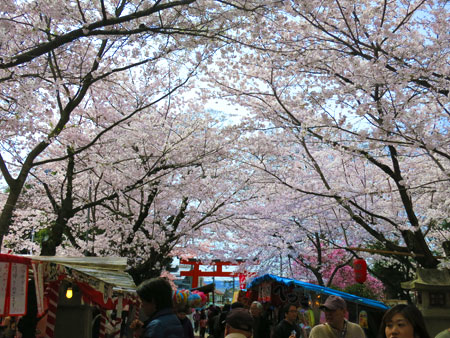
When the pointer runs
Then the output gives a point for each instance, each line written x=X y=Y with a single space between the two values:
x=103 y=280
x=317 y=289
x=109 y=270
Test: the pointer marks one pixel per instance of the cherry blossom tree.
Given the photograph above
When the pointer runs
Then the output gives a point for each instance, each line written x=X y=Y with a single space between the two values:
x=337 y=272
x=346 y=137
x=353 y=102
x=138 y=193
x=66 y=64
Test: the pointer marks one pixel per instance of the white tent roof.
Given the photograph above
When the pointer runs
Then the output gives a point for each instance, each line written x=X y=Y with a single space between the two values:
x=110 y=270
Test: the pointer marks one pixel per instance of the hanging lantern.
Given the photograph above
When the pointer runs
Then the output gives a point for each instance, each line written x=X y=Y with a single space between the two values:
x=360 y=269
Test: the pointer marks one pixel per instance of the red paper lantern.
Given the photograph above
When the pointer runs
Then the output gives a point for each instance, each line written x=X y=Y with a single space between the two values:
x=360 y=268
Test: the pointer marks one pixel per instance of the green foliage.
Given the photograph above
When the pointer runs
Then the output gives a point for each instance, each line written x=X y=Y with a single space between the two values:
x=42 y=235
x=445 y=225
x=360 y=290
x=392 y=274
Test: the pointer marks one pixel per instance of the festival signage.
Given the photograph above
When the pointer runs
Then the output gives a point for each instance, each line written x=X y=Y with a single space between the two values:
x=13 y=286
x=18 y=289
x=243 y=277
x=265 y=290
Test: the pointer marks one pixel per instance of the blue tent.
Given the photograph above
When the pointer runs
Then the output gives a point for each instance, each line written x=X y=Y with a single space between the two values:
x=318 y=289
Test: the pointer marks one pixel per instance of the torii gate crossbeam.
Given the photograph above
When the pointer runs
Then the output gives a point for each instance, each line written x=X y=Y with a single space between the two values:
x=195 y=273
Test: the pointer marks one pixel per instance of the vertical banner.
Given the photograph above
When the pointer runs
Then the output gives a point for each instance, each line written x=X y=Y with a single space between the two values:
x=53 y=297
x=103 y=319
x=4 y=270
x=265 y=290
x=38 y=271
x=242 y=281
x=18 y=289
x=243 y=277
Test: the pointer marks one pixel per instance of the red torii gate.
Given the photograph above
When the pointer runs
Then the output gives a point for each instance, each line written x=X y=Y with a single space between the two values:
x=195 y=273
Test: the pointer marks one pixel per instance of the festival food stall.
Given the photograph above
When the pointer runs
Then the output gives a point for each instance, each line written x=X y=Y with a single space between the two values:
x=67 y=295
x=274 y=292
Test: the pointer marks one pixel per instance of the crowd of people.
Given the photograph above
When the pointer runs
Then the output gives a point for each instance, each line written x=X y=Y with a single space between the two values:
x=236 y=321
x=164 y=320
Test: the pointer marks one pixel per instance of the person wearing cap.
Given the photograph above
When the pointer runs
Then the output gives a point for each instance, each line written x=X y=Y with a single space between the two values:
x=288 y=327
x=239 y=323
x=336 y=326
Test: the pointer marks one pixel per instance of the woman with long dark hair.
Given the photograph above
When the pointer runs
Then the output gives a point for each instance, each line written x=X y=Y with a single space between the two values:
x=403 y=321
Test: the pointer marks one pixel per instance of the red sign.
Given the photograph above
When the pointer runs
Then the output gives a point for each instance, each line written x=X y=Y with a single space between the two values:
x=243 y=279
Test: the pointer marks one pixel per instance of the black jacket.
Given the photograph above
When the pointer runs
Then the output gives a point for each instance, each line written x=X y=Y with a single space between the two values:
x=261 y=327
x=284 y=329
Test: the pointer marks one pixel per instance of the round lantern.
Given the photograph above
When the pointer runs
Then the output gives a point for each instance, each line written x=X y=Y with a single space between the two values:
x=360 y=269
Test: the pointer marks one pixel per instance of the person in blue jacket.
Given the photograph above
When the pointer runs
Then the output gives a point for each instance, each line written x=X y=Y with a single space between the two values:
x=156 y=297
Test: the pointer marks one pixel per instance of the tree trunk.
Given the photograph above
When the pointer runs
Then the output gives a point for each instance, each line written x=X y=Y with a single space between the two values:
x=8 y=208
x=415 y=242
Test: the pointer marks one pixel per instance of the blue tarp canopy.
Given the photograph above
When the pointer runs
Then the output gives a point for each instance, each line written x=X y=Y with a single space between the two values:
x=317 y=289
